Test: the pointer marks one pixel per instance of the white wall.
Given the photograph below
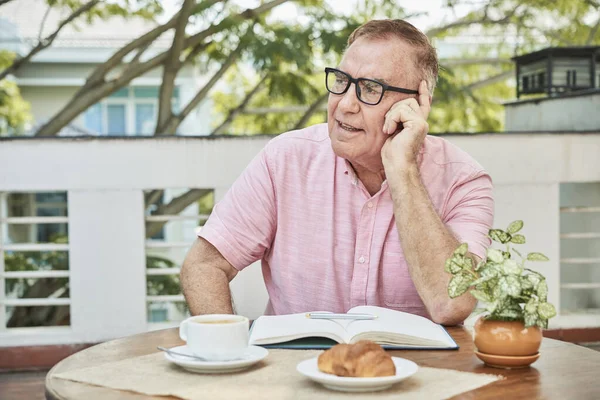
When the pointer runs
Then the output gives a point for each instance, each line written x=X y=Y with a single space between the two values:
x=526 y=169
x=46 y=101
x=556 y=114
x=106 y=259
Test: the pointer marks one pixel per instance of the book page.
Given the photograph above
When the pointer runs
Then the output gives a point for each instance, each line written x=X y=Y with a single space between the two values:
x=399 y=324
x=282 y=328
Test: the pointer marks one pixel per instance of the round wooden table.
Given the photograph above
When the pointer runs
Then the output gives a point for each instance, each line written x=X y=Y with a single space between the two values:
x=563 y=371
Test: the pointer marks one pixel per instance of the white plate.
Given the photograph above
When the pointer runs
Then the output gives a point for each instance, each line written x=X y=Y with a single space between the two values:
x=310 y=369
x=253 y=355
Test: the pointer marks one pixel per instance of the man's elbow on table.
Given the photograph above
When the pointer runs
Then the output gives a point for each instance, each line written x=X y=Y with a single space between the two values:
x=453 y=311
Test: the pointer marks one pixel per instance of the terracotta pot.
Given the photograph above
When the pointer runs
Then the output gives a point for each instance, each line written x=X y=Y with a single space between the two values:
x=506 y=338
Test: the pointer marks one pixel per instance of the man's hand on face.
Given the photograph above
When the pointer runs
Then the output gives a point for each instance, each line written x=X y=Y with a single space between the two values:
x=402 y=148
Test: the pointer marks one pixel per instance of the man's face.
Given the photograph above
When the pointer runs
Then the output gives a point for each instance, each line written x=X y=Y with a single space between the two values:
x=356 y=128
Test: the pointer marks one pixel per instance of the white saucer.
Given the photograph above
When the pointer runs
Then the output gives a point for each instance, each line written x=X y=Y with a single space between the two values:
x=253 y=355
x=310 y=369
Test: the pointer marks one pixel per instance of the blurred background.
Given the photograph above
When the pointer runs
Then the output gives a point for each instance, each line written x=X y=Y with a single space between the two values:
x=123 y=122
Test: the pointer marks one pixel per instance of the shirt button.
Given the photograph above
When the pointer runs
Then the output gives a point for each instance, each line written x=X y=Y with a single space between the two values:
x=370 y=205
x=361 y=260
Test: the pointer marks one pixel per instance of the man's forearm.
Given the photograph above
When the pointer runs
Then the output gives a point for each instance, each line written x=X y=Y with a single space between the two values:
x=426 y=243
x=206 y=290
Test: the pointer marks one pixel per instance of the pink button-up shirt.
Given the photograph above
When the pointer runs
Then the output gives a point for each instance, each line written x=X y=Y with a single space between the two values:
x=325 y=243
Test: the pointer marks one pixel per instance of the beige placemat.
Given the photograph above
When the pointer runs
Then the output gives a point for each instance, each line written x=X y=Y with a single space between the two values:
x=275 y=377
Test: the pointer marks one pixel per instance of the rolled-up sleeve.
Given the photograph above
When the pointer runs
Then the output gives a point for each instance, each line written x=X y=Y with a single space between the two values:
x=470 y=212
x=242 y=225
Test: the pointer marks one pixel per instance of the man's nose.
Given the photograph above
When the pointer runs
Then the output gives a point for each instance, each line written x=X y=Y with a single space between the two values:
x=349 y=102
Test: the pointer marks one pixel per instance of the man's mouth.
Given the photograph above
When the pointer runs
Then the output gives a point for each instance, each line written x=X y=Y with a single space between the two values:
x=347 y=127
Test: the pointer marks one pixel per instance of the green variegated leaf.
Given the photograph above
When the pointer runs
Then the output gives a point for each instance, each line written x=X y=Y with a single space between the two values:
x=534 y=279
x=531 y=306
x=499 y=235
x=509 y=285
x=495 y=255
x=482 y=280
x=480 y=264
x=489 y=270
x=526 y=284
x=462 y=249
x=530 y=320
x=459 y=284
x=542 y=323
x=481 y=295
x=509 y=314
x=452 y=267
x=498 y=292
x=537 y=257
x=510 y=267
x=478 y=311
x=518 y=239
x=468 y=263
x=542 y=290
x=492 y=307
x=546 y=311
x=514 y=227
x=513 y=304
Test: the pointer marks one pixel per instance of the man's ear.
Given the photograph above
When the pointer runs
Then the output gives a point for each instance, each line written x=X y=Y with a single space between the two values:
x=430 y=100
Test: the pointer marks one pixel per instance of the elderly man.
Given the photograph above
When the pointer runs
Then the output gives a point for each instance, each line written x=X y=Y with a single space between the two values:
x=363 y=210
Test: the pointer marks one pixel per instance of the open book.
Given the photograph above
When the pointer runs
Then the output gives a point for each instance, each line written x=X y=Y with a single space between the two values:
x=391 y=329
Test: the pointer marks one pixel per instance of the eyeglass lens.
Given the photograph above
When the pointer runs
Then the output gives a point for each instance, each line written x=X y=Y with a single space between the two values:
x=369 y=91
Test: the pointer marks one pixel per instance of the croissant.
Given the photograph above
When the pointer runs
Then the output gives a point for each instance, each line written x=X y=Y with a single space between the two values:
x=361 y=359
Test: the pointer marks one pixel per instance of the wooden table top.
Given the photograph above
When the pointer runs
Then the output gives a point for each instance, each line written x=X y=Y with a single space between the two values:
x=564 y=370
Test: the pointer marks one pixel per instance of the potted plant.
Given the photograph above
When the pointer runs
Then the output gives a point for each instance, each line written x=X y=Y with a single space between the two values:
x=509 y=334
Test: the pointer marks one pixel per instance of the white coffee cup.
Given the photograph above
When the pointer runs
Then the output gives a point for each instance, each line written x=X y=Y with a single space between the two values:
x=218 y=337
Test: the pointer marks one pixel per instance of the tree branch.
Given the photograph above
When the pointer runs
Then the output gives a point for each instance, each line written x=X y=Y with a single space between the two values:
x=175 y=206
x=490 y=80
x=48 y=41
x=172 y=65
x=170 y=126
x=239 y=109
x=97 y=88
x=100 y=72
x=232 y=20
x=152 y=197
x=41 y=32
x=136 y=59
x=593 y=32
x=85 y=98
x=550 y=34
x=314 y=107
x=467 y=21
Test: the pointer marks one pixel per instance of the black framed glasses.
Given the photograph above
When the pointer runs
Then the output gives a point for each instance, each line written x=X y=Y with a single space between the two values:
x=368 y=91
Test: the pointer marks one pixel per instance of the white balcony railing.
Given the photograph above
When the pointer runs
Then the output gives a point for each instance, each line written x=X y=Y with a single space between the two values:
x=105 y=180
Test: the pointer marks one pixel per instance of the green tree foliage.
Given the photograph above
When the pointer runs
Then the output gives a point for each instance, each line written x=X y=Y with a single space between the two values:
x=301 y=49
x=468 y=97
x=14 y=111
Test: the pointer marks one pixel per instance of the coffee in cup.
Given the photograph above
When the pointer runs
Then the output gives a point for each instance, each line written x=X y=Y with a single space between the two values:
x=218 y=337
